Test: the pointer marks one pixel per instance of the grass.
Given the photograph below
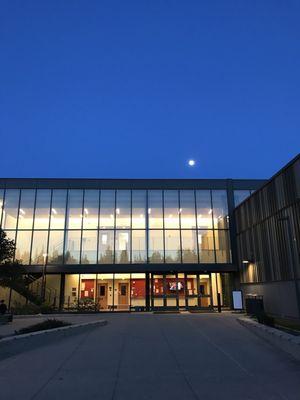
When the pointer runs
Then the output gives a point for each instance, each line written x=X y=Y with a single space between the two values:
x=42 y=326
x=290 y=326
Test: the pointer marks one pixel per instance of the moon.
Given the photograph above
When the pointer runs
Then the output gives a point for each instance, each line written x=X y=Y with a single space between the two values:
x=191 y=163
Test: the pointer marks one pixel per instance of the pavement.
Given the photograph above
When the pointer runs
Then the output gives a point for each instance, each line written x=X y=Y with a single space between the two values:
x=150 y=356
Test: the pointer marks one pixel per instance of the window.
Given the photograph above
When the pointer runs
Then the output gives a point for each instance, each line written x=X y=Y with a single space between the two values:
x=107 y=209
x=72 y=247
x=156 y=246
x=106 y=247
x=91 y=209
x=74 y=210
x=171 y=209
x=122 y=250
x=172 y=243
x=206 y=246
x=189 y=246
x=240 y=196
x=204 y=209
x=56 y=247
x=58 y=209
x=187 y=209
x=89 y=247
x=39 y=247
x=155 y=209
x=26 y=209
x=10 y=211
x=23 y=244
x=123 y=209
x=220 y=209
x=42 y=209
x=138 y=209
x=139 y=246
x=222 y=242
x=1 y=203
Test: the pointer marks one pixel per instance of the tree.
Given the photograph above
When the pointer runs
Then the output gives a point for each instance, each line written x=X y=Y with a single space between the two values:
x=9 y=270
x=7 y=248
x=12 y=273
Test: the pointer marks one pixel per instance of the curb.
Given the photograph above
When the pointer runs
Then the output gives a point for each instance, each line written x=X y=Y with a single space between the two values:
x=13 y=345
x=49 y=331
x=282 y=340
x=54 y=315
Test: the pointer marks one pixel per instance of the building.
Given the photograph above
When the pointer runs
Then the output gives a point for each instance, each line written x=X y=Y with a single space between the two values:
x=105 y=244
x=268 y=237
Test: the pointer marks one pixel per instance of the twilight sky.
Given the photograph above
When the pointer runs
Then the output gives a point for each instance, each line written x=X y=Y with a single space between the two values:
x=133 y=89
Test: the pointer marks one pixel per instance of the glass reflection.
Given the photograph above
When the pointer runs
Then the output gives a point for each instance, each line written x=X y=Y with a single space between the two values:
x=56 y=246
x=91 y=209
x=240 y=196
x=107 y=209
x=39 y=247
x=106 y=247
x=155 y=208
x=10 y=211
x=1 y=203
x=89 y=247
x=26 y=209
x=171 y=209
x=122 y=247
x=58 y=209
x=42 y=209
x=187 y=209
x=23 y=244
x=220 y=209
x=222 y=241
x=72 y=247
x=138 y=209
x=123 y=209
x=172 y=246
x=206 y=246
x=139 y=246
x=74 y=209
x=204 y=209
x=156 y=246
x=189 y=246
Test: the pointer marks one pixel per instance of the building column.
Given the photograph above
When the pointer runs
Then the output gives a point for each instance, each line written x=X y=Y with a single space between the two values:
x=62 y=291
x=147 y=282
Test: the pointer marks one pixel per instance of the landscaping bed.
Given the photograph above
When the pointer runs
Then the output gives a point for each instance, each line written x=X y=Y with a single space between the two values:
x=42 y=326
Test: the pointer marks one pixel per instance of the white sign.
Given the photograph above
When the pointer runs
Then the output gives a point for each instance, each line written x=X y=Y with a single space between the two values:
x=237 y=299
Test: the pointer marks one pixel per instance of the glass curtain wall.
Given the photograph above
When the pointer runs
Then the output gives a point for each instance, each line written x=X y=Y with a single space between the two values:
x=117 y=226
x=105 y=292
x=185 y=291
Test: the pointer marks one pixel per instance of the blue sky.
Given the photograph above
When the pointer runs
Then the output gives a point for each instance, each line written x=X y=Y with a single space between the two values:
x=136 y=88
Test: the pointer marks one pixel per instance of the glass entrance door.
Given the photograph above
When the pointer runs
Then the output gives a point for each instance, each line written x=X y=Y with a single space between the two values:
x=157 y=292
x=171 y=292
x=205 y=291
x=164 y=291
x=180 y=291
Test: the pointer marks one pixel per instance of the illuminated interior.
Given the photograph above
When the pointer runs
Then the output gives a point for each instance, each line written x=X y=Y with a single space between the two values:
x=117 y=227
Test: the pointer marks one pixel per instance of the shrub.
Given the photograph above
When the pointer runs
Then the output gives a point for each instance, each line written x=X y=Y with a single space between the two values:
x=265 y=319
x=31 y=309
x=42 y=326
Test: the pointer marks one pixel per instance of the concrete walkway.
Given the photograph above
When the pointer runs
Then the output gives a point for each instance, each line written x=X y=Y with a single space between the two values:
x=138 y=356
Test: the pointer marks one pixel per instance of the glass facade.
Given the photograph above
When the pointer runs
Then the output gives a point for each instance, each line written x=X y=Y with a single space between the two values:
x=117 y=226
x=128 y=291
x=128 y=248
